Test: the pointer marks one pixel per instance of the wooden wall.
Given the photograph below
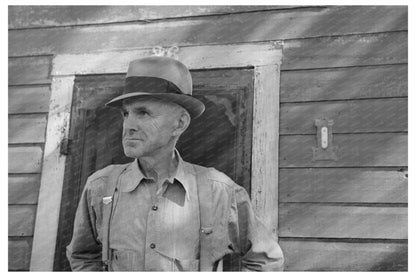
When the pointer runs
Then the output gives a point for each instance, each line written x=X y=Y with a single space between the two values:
x=345 y=63
x=28 y=96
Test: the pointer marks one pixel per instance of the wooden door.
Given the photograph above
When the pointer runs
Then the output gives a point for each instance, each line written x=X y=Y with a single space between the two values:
x=220 y=138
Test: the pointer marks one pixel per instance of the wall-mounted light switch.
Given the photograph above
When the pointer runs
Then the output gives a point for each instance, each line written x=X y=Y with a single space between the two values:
x=325 y=149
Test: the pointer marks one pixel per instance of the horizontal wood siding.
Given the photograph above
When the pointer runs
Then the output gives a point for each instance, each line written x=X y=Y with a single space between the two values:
x=344 y=83
x=342 y=51
x=50 y=16
x=344 y=185
x=24 y=189
x=27 y=128
x=31 y=99
x=354 y=150
x=29 y=93
x=29 y=70
x=25 y=159
x=360 y=116
x=349 y=214
x=258 y=26
x=19 y=253
x=333 y=221
x=344 y=256
x=21 y=220
x=346 y=63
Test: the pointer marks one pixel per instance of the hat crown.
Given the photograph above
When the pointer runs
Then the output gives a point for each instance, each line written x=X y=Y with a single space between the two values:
x=164 y=68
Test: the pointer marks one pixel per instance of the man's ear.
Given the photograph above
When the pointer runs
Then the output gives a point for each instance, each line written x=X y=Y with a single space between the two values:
x=183 y=122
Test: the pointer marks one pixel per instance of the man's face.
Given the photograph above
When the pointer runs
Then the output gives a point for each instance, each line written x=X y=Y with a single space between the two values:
x=148 y=126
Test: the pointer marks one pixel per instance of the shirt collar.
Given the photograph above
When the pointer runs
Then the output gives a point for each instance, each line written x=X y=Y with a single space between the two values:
x=133 y=175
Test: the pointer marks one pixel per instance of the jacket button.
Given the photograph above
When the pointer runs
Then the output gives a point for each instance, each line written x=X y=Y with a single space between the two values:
x=154 y=207
x=152 y=245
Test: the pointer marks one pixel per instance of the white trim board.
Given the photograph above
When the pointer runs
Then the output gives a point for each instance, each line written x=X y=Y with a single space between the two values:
x=265 y=58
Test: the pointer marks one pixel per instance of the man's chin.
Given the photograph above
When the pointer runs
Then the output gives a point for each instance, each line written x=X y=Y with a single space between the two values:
x=132 y=152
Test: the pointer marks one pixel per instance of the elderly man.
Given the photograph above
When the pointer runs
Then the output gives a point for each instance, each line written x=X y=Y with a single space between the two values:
x=160 y=213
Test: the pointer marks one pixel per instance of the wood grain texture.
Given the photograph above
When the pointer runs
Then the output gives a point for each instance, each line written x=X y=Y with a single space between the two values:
x=339 y=256
x=331 y=221
x=53 y=169
x=29 y=99
x=248 y=27
x=354 y=150
x=265 y=162
x=19 y=253
x=376 y=49
x=344 y=83
x=49 y=16
x=354 y=185
x=27 y=128
x=381 y=115
x=29 y=70
x=26 y=159
x=21 y=220
x=194 y=57
x=24 y=189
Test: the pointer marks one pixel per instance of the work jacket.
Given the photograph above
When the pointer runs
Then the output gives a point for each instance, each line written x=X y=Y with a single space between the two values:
x=228 y=224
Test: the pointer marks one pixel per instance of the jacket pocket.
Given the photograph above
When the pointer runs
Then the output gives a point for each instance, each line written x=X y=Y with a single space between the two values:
x=123 y=260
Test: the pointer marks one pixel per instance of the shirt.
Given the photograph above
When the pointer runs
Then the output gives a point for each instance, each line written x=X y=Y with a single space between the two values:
x=235 y=227
x=155 y=232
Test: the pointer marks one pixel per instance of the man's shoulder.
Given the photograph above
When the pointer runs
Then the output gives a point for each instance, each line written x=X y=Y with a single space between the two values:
x=100 y=177
x=220 y=179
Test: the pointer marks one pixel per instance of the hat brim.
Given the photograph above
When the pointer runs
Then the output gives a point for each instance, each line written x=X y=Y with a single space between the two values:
x=191 y=104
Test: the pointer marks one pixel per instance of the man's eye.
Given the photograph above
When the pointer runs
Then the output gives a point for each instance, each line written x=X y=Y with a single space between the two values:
x=125 y=114
x=143 y=113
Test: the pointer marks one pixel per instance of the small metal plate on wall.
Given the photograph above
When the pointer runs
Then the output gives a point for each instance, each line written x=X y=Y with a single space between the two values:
x=325 y=150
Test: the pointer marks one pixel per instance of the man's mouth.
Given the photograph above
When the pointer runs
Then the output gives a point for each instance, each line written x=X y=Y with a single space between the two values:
x=132 y=139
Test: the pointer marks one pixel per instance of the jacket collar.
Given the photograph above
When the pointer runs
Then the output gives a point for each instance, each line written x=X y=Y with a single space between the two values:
x=133 y=175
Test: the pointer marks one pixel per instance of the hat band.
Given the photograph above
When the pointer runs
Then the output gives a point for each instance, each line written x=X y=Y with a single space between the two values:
x=151 y=85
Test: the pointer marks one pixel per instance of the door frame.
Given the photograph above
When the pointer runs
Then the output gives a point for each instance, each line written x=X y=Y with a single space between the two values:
x=264 y=57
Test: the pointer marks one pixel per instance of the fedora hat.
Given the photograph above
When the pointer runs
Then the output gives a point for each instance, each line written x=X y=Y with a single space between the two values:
x=163 y=78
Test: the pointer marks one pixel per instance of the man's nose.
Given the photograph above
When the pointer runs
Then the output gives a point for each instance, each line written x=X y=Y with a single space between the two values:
x=130 y=123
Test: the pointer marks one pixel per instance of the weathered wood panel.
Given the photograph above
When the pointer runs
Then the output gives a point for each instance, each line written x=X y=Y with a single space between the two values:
x=381 y=115
x=343 y=185
x=330 y=221
x=265 y=159
x=256 y=26
x=194 y=57
x=354 y=150
x=25 y=159
x=19 y=253
x=344 y=83
x=27 y=128
x=53 y=169
x=339 y=256
x=384 y=48
x=21 y=220
x=29 y=99
x=29 y=70
x=47 y=16
x=24 y=189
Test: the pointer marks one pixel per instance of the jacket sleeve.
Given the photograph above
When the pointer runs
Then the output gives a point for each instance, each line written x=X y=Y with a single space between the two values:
x=259 y=250
x=84 y=251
